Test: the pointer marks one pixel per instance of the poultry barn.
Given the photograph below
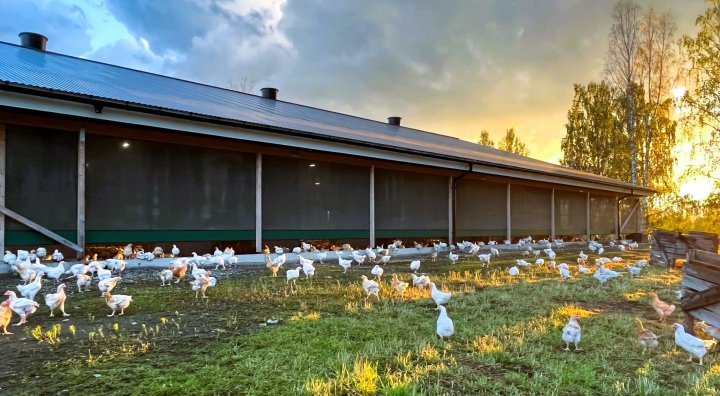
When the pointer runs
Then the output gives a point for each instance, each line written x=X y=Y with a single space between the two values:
x=94 y=154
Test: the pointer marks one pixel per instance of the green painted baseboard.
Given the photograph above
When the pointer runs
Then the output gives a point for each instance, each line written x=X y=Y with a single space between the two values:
x=121 y=236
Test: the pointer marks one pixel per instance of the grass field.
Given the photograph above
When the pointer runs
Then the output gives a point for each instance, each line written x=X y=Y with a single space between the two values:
x=329 y=341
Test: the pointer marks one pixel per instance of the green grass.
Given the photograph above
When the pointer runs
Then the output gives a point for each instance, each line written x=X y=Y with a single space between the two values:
x=330 y=341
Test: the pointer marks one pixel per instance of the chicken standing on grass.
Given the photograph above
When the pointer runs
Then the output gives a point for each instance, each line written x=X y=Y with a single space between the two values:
x=117 y=302
x=292 y=275
x=371 y=288
x=445 y=326
x=398 y=285
x=662 y=308
x=57 y=300
x=415 y=265
x=377 y=271
x=693 y=345
x=272 y=266
x=440 y=297
x=571 y=333
x=83 y=280
x=646 y=338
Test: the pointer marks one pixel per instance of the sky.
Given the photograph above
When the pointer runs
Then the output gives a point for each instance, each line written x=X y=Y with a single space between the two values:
x=453 y=67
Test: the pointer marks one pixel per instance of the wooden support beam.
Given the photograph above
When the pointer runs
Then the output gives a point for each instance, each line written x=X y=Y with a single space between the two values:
x=372 y=206
x=37 y=227
x=552 y=214
x=2 y=187
x=258 y=203
x=81 y=192
x=508 y=223
x=450 y=210
x=587 y=215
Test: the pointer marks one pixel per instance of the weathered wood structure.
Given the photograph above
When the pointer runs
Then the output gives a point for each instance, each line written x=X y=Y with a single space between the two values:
x=668 y=246
x=701 y=288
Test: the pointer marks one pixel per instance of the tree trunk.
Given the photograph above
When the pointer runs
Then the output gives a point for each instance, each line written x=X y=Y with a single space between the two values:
x=631 y=133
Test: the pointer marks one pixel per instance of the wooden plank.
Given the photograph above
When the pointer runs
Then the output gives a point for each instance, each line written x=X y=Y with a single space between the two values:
x=37 y=227
x=702 y=298
x=695 y=284
x=81 y=192
x=629 y=216
x=710 y=317
x=2 y=187
x=707 y=257
x=706 y=273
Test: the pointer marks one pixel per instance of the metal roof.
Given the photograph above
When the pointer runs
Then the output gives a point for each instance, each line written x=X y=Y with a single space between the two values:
x=109 y=84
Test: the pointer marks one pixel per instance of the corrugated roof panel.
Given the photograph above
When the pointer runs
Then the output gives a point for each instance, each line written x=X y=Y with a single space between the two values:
x=55 y=72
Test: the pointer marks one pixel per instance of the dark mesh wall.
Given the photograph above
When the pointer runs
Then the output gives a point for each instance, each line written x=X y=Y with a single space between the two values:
x=305 y=199
x=481 y=208
x=626 y=206
x=570 y=213
x=602 y=215
x=410 y=204
x=41 y=182
x=530 y=210
x=165 y=192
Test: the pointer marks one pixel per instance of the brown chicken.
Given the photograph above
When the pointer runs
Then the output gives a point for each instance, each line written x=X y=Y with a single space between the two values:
x=646 y=338
x=710 y=330
x=266 y=250
x=179 y=271
x=5 y=316
x=272 y=265
x=662 y=308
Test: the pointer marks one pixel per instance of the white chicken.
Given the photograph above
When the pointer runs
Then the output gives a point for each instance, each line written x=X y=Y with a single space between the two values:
x=540 y=262
x=385 y=259
x=30 y=290
x=199 y=286
x=175 y=251
x=103 y=274
x=297 y=250
x=57 y=300
x=77 y=269
x=617 y=259
x=371 y=288
x=603 y=274
x=199 y=260
x=197 y=273
x=10 y=258
x=21 y=306
x=495 y=252
x=321 y=256
x=583 y=270
x=485 y=259
x=371 y=255
x=305 y=246
x=634 y=271
x=420 y=281
x=166 y=276
x=522 y=263
x=445 y=326
x=107 y=285
x=219 y=261
x=83 y=280
x=564 y=272
x=440 y=297
x=26 y=274
x=292 y=275
x=415 y=265
x=345 y=264
x=57 y=256
x=453 y=258
x=118 y=301
x=571 y=333
x=307 y=266
x=55 y=272
x=377 y=271
x=514 y=271
x=116 y=265
x=695 y=346
x=583 y=256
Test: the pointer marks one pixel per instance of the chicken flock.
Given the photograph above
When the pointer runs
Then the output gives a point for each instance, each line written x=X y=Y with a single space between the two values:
x=28 y=266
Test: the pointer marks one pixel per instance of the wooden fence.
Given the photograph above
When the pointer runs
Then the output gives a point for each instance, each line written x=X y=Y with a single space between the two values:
x=701 y=288
x=668 y=246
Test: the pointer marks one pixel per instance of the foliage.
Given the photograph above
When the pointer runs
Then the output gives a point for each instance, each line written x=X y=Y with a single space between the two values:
x=682 y=213
x=485 y=140
x=597 y=142
x=510 y=142
x=703 y=53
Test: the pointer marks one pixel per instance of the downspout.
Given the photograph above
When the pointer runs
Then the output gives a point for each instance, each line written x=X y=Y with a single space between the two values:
x=455 y=179
x=617 y=215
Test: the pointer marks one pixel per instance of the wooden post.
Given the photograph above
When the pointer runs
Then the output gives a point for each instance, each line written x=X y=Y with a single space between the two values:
x=258 y=203
x=508 y=223
x=2 y=187
x=587 y=215
x=372 y=206
x=81 y=193
x=552 y=215
x=450 y=210
x=617 y=216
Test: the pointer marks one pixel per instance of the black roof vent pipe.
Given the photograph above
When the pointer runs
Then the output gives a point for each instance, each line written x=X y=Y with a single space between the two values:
x=269 y=93
x=33 y=40
x=394 y=121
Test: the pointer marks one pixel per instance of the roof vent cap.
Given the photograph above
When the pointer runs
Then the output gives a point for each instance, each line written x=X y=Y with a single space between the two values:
x=394 y=121
x=33 y=40
x=269 y=93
